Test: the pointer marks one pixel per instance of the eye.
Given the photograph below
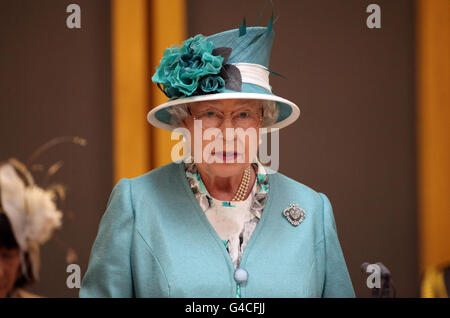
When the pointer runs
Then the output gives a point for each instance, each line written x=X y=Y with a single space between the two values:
x=243 y=114
x=210 y=113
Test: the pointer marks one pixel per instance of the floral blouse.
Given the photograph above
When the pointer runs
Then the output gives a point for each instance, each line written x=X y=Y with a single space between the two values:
x=234 y=221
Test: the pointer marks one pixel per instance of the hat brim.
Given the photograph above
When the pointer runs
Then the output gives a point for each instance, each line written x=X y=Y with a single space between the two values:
x=288 y=111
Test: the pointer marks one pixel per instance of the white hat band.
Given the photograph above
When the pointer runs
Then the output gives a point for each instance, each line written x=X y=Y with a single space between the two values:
x=254 y=74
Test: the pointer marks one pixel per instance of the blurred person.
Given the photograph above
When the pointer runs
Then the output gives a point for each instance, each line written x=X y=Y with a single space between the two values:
x=28 y=217
x=12 y=280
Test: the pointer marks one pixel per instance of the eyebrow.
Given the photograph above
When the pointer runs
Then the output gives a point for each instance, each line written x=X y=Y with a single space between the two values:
x=207 y=106
x=247 y=102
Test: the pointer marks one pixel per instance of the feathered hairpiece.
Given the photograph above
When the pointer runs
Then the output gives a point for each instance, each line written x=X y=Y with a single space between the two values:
x=243 y=31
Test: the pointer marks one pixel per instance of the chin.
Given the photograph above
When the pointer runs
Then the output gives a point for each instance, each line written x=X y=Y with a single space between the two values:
x=225 y=169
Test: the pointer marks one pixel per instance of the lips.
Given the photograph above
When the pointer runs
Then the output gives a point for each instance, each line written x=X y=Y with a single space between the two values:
x=226 y=155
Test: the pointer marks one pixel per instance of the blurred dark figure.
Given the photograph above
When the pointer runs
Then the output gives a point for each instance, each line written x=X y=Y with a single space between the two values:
x=12 y=281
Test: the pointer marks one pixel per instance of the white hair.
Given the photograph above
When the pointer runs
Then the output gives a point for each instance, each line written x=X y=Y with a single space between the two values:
x=270 y=112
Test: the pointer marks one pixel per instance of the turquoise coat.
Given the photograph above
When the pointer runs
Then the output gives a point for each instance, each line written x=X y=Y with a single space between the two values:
x=154 y=240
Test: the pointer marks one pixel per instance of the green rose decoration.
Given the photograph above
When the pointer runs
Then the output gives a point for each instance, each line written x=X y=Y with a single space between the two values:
x=191 y=69
x=212 y=83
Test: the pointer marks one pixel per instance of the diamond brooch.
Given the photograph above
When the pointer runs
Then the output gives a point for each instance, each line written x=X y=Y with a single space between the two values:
x=294 y=214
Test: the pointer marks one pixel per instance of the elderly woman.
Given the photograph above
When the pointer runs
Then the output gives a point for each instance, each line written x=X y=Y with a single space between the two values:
x=218 y=223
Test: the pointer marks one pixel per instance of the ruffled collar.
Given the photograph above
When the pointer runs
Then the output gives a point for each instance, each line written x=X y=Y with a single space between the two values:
x=206 y=201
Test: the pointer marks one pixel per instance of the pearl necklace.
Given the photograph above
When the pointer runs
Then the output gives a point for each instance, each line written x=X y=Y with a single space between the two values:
x=243 y=187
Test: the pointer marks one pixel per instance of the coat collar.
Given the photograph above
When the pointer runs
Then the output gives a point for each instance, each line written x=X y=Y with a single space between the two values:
x=206 y=201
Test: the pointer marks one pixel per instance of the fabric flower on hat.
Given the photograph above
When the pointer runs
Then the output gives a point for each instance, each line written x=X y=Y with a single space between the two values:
x=210 y=83
x=194 y=68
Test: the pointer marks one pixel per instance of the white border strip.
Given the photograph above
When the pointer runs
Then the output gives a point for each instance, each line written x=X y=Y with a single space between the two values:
x=254 y=74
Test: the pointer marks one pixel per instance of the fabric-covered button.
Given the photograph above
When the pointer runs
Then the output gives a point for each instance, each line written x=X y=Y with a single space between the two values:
x=240 y=275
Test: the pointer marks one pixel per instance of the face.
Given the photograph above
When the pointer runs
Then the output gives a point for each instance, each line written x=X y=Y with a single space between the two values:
x=238 y=148
x=9 y=269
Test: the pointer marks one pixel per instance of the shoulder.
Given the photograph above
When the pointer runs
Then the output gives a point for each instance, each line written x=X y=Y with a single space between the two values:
x=156 y=184
x=285 y=183
x=316 y=204
x=156 y=174
x=161 y=178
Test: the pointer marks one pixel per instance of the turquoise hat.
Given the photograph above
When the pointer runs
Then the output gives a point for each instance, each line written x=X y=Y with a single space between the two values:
x=227 y=65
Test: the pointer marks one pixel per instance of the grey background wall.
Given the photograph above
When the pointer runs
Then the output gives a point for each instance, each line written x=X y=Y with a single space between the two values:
x=354 y=140
x=55 y=81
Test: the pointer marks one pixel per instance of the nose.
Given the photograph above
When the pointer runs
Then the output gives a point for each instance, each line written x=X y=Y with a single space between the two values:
x=227 y=123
